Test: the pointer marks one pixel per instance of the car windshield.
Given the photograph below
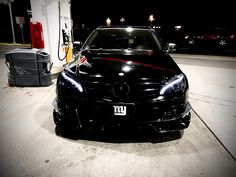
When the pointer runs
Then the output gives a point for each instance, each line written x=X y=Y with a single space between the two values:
x=123 y=38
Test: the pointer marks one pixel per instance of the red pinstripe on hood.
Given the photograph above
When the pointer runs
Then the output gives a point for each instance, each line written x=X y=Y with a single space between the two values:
x=139 y=63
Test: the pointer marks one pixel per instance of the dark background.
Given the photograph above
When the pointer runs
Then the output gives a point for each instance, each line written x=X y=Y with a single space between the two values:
x=166 y=12
x=19 y=8
x=91 y=14
x=191 y=15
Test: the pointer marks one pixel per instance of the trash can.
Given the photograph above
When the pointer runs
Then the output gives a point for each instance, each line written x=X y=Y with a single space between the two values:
x=28 y=67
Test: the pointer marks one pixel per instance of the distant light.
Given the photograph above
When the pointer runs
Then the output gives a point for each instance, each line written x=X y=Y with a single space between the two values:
x=108 y=21
x=157 y=27
x=129 y=29
x=122 y=20
x=151 y=18
x=177 y=28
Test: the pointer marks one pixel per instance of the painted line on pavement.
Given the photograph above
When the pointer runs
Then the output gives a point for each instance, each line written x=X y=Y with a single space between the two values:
x=234 y=158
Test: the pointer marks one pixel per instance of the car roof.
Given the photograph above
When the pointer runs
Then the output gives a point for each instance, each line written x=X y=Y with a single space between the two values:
x=125 y=26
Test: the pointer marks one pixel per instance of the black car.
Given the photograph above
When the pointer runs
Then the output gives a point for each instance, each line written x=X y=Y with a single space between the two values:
x=122 y=79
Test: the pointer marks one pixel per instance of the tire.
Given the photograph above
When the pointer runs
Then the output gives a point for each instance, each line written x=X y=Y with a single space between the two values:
x=63 y=128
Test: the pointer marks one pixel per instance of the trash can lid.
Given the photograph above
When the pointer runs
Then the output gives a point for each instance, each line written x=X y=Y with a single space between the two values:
x=24 y=50
x=22 y=54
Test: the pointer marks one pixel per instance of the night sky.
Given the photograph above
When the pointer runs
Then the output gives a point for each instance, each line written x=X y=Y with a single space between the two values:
x=166 y=12
x=187 y=13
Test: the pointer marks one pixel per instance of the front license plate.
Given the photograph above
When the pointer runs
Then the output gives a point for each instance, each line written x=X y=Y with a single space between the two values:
x=120 y=110
x=125 y=109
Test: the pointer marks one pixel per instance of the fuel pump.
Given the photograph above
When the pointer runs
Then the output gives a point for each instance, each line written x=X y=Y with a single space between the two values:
x=56 y=23
x=66 y=39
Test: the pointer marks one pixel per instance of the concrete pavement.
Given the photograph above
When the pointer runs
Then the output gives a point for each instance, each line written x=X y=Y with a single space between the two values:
x=213 y=97
x=203 y=57
x=30 y=147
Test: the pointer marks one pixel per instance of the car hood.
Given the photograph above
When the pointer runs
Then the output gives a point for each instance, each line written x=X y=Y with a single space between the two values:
x=134 y=64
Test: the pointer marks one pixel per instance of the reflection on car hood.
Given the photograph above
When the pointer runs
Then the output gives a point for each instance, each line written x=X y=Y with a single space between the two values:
x=134 y=63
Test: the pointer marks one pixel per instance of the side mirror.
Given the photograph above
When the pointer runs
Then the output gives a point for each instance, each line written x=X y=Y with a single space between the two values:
x=77 y=45
x=171 y=47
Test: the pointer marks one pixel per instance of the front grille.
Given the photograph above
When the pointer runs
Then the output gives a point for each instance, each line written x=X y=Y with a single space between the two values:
x=144 y=89
x=98 y=88
x=140 y=90
x=143 y=93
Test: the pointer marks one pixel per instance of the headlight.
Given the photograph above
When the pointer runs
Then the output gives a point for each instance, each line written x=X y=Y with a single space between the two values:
x=175 y=85
x=69 y=90
x=71 y=82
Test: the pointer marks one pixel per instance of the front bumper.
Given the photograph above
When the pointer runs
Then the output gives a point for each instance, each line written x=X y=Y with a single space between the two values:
x=100 y=117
